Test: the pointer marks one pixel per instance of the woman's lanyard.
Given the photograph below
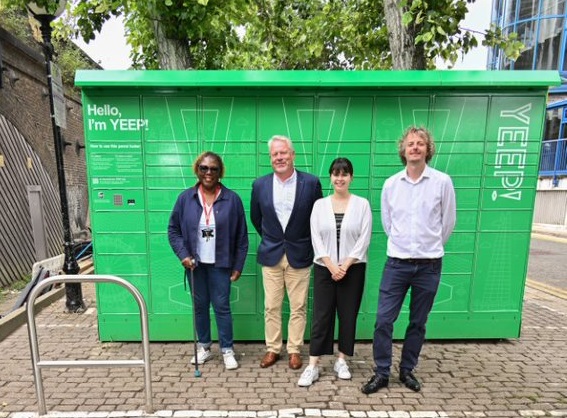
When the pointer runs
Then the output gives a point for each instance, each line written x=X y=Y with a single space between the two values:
x=206 y=208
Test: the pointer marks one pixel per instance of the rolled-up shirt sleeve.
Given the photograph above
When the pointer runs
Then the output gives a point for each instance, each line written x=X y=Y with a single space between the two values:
x=385 y=209
x=449 y=210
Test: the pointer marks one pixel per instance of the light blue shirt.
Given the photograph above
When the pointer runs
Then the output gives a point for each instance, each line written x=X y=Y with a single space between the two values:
x=284 y=197
x=418 y=217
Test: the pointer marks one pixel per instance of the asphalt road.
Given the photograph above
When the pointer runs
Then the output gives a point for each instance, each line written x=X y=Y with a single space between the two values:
x=548 y=261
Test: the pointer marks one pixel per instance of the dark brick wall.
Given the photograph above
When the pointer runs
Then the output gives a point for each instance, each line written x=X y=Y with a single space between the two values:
x=25 y=103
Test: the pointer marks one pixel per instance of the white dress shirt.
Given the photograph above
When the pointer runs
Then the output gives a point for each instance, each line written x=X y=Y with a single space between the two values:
x=356 y=231
x=418 y=217
x=284 y=197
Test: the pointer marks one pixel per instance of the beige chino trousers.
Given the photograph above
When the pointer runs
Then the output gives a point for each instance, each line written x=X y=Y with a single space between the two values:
x=277 y=280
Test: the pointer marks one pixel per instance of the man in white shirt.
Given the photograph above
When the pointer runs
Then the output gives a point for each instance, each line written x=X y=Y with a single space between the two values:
x=418 y=215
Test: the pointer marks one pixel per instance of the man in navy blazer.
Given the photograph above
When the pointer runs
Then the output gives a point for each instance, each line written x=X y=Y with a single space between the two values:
x=280 y=209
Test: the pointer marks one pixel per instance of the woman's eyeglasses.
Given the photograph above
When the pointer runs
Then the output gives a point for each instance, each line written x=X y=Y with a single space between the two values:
x=205 y=168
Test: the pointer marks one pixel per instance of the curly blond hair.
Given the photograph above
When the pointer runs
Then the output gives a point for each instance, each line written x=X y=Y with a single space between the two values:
x=423 y=134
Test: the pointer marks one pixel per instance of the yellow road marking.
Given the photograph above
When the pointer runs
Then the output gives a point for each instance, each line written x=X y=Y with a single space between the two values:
x=552 y=290
x=552 y=238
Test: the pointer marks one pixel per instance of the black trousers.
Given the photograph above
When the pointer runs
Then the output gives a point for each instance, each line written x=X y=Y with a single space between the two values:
x=330 y=299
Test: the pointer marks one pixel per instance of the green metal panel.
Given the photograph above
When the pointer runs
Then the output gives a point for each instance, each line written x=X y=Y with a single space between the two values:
x=117 y=300
x=171 y=118
x=144 y=130
x=171 y=81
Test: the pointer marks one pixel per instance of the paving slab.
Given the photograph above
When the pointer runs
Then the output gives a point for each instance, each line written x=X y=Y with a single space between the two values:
x=522 y=377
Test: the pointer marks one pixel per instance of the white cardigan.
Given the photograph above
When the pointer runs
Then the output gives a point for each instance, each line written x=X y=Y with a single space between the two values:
x=356 y=230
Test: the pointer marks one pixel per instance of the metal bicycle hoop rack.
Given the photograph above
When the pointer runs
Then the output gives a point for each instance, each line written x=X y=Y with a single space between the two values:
x=37 y=364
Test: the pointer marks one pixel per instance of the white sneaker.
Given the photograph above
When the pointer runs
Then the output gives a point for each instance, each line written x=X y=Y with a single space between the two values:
x=341 y=367
x=309 y=375
x=202 y=356
x=230 y=362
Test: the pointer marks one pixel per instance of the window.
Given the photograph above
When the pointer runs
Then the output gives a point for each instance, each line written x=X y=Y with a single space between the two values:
x=528 y=9
x=552 y=123
x=549 y=43
x=549 y=144
x=510 y=13
x=552 y=7
x=526 y=34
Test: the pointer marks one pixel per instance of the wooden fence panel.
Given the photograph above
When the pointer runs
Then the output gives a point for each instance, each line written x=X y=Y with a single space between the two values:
x=22 y=168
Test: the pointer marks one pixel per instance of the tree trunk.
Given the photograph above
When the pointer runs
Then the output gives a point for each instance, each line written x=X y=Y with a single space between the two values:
x=405 y=54
x=173 y=54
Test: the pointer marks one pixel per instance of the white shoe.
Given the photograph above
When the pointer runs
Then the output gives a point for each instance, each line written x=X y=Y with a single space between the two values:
x=309 y=375
x=202 y=356
x=230 y=362
x=341 y=367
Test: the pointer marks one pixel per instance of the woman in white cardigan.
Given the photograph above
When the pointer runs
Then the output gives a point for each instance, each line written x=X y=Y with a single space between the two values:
x=341 y=227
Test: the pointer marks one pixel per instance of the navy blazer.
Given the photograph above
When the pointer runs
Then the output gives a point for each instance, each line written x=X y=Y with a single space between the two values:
x=295 y=241
x=231 y=244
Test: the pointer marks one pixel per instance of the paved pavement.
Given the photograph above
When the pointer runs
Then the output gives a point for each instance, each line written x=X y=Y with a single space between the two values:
x=526 y=377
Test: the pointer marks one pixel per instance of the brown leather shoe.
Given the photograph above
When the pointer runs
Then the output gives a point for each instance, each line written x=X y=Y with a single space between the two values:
x=269 y=359
x=295 y=361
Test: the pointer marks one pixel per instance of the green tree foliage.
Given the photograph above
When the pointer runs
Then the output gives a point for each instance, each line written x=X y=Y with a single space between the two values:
x=365 y=38
x=67 y=55
x=15 y=21
x=439 y=34
x=291 y=34
x=316 y=34
x=199 y=32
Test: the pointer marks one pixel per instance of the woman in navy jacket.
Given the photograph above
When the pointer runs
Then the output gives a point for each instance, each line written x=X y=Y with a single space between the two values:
x=207 y=231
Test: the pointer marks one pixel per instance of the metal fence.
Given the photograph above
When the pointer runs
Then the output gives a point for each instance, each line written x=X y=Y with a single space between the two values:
x=553 y=162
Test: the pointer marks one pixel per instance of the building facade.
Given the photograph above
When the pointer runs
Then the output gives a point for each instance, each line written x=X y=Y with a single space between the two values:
x=30 y=211
x=542 y=27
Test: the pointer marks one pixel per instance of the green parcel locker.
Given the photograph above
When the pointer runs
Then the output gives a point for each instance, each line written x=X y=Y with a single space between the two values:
x=144 y=129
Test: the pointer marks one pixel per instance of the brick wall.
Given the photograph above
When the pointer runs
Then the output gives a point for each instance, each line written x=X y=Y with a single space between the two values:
x=24 y=102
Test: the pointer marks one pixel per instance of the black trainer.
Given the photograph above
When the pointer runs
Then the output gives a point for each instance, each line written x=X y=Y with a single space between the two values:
x=408 y=379
x=374 y=384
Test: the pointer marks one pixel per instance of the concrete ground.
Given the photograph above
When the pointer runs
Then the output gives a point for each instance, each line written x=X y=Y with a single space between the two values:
x=523 y=377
